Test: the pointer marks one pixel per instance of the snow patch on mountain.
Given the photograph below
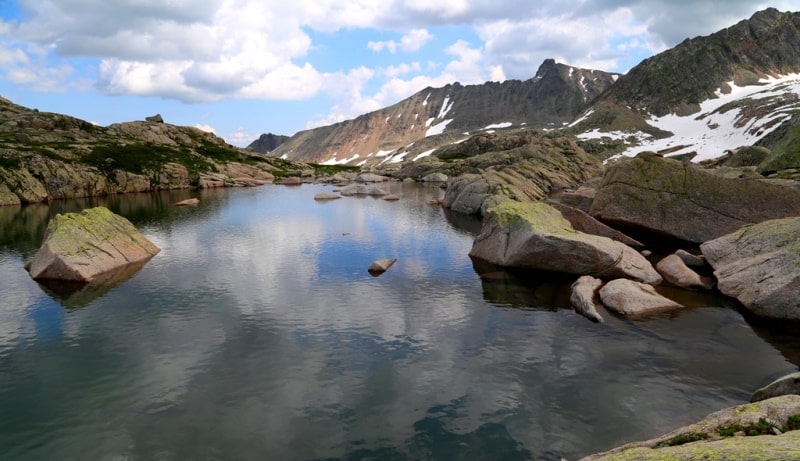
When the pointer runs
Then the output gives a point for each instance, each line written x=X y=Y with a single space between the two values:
x=423 y=154
x=333 y=161
x=446 y=106
x=438 y=128
x=498 y=125
x=739 y=117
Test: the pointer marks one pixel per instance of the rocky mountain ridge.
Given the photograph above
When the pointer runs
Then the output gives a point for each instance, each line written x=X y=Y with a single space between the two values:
x=708 y=95
x=549 y=100
x=267 y=142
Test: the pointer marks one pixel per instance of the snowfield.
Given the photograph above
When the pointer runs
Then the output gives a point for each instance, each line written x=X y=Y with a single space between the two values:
x=720 y=125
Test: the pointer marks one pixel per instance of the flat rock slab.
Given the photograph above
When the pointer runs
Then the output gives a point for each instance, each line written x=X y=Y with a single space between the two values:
x=323 y=196
x=81 y=247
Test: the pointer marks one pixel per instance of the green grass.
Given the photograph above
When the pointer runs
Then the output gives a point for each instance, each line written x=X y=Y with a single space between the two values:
x=681 y=439
x=139 y=158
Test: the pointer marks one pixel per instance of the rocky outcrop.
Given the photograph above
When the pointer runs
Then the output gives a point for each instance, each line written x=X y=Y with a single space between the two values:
x=534 y=235
x=786 y=385
x=584 y=292
x=682 y=200
x=524 y=173
x=82 y=247
x=632 y=298
x=760 y=266
x=763 y=430
x=267 y=143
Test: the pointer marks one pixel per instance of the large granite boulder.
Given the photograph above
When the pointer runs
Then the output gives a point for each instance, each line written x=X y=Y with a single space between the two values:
x=534 y=235
x=682 y=200
x=584 y=222
x=82 y=247
x=632 y=298
x=760 y=266
x=743 y=432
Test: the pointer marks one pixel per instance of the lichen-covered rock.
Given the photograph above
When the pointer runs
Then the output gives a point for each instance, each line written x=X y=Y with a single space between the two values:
x=760 y=266
x=82 y=247
x=583 y=222
x=723 y=435
x=632 y=298
x=534 y=235
x=682 y=200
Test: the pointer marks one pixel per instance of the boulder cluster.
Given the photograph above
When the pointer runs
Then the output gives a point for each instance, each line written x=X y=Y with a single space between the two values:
x=742 y=235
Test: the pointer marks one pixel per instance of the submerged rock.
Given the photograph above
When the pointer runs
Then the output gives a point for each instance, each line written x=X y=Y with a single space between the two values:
x=380 y=266
x=188 y=202
x=82 y=247
x=633 y=298
x=323 y=196
x=760 y=266
x=534 y=235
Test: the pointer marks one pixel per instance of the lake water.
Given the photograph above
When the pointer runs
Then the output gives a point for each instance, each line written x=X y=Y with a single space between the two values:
x=258 y=334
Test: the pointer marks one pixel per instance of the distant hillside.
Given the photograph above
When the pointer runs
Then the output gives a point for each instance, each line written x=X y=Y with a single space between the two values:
x=549 y=100
x=737 y=87
x=46 y=156
x=267 y=143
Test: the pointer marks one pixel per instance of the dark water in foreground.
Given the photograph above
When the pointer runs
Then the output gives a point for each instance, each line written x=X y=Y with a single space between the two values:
x=257 y=333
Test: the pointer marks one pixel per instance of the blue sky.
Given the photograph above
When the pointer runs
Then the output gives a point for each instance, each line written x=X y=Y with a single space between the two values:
x=246 y=67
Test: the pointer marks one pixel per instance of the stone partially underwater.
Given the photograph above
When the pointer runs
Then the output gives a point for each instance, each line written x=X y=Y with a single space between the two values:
x=89 y=247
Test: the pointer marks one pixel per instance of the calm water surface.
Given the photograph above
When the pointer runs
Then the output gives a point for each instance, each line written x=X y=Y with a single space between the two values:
x=257 y=333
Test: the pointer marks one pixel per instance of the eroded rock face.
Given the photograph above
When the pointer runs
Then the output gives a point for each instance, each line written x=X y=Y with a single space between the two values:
x=628 y=297
x=82 y=247
x=534 y=235
x=760 y=266
x=684 y=201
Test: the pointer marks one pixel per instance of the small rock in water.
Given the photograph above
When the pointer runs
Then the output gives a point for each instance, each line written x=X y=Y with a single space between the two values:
x=391 y=198
x=324 y=196
x=380 y=266
x=188 y=202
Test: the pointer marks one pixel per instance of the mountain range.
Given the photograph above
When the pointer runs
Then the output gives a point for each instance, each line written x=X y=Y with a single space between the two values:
x=552 y=98
x=708 y=95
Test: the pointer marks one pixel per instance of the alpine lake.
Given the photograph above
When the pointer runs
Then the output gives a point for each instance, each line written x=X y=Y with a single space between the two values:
x=258 y=334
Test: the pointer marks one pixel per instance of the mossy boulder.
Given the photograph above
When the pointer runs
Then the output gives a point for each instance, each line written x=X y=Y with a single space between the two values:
x=82 y=247
x=760 y=266
x=535 y=235
x=681 y=200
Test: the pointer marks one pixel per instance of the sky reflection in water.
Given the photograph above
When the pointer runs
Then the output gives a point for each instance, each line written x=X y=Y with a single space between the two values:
x=257 y=333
